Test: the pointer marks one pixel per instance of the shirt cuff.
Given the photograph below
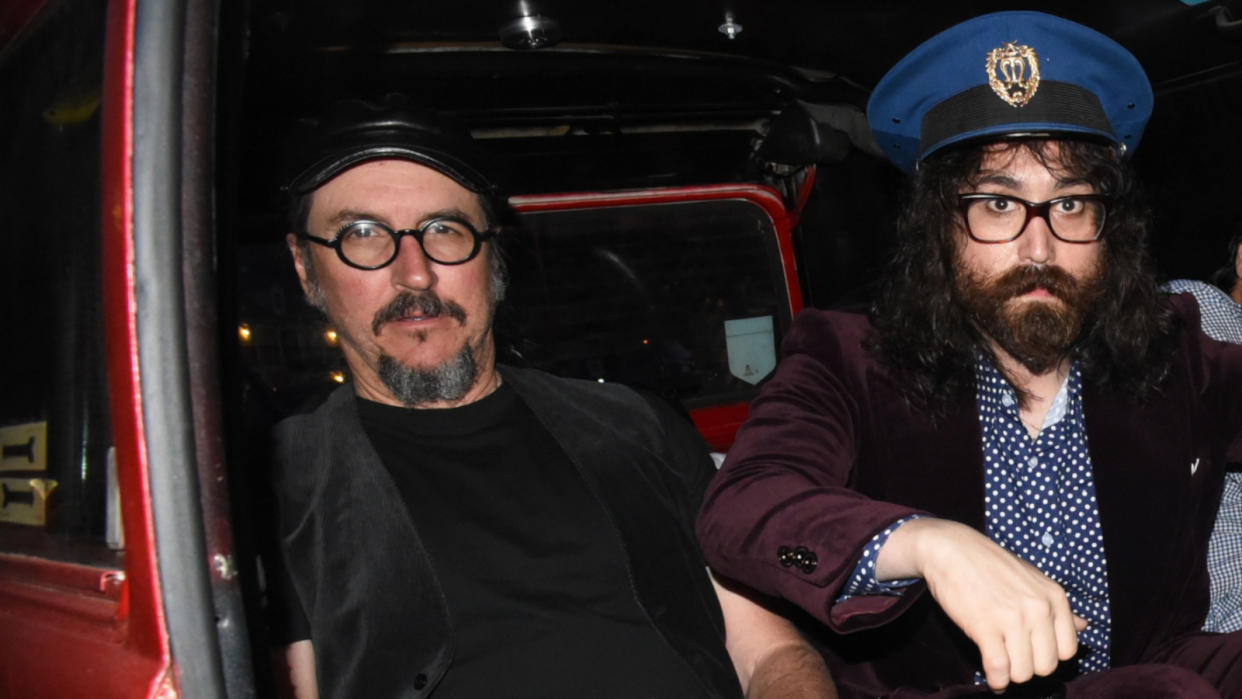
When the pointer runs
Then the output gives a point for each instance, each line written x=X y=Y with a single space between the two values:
x=862 y=581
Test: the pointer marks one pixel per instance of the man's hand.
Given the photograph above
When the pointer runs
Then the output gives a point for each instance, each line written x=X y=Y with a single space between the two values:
x=1019 y=619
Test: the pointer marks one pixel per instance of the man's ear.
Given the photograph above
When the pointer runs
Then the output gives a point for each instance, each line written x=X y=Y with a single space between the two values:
x=298 y=252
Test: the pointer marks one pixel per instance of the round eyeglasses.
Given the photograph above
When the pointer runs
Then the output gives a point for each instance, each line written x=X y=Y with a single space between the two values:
x=372 y=245
x=1000 y=218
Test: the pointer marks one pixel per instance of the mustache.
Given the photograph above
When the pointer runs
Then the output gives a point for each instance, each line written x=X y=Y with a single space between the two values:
x=1022 y=280
x=424 y=303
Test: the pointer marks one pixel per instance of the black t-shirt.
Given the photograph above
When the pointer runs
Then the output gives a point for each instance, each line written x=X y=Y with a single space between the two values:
x=532 y=568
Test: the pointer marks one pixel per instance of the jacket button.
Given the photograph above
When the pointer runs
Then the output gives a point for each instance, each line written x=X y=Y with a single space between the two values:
x=803 y=558
x=420 y=681
x=785 y=556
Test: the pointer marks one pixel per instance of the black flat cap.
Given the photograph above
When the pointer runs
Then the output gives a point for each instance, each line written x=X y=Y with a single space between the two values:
x=355 y=131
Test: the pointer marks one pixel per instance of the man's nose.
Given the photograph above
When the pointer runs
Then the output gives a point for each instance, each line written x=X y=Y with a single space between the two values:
x=1036 y=244
x=411 y=268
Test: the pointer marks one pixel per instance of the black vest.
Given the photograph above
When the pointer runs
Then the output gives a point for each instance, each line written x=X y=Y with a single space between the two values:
x=366 y=584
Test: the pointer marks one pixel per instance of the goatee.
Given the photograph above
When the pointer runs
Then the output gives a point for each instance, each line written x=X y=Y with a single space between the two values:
x=414 y=387
x=1038 y=334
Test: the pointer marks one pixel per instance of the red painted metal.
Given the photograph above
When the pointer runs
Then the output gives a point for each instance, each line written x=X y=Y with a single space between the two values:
x=148 y=632
x=718 y=424
x=79 y=630
x=804 y=195
x=80 y=598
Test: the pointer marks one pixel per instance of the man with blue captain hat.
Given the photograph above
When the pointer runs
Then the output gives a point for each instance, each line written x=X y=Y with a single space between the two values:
x=1003 y=478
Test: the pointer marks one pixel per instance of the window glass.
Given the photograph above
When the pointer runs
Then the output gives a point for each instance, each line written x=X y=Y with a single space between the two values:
x=54 y=421
x=684 y=299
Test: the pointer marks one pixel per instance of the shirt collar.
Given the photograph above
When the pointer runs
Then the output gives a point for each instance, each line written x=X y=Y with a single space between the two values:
x=986 y=372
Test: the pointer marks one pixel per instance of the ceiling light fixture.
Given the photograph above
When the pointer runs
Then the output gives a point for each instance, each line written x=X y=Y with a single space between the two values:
x=530 y=32
x=730 y=28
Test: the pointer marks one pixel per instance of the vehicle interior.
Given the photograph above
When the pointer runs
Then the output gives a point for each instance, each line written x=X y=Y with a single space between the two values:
x=685 y=178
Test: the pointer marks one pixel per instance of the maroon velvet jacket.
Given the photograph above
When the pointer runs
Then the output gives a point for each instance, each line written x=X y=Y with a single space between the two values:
x=832 y=453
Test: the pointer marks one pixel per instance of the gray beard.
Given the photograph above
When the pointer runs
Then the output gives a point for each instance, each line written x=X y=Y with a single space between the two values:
x=445 y=383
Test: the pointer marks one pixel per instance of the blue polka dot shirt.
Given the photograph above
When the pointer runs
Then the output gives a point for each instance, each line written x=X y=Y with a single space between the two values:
x=1039 y=499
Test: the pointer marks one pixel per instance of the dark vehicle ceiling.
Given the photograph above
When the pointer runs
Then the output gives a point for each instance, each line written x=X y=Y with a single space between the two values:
x=655 y=62
x=649 y=92
x=673 y=55
x=854 y=42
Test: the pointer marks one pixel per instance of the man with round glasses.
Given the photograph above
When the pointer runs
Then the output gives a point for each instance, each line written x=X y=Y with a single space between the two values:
x=1004 y=478
x=454 y=528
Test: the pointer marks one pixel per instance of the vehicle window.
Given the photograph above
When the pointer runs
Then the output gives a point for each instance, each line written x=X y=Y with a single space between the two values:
x=684 y=299
x=54 y=420
x=287 y=351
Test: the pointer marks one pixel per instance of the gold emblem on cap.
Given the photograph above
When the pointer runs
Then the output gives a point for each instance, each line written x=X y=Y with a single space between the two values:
x=1013 y=73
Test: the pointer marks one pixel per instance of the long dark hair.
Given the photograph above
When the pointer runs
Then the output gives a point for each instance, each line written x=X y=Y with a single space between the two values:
x=925 y=336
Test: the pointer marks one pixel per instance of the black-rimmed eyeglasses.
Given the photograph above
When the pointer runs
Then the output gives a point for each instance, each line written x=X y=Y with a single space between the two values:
x=1000 y=218
x=372 y=245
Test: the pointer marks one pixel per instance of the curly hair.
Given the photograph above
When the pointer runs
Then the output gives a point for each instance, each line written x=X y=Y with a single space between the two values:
x=923 y=333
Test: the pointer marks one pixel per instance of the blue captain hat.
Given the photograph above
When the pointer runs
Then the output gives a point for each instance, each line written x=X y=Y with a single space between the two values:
x=1009 y=74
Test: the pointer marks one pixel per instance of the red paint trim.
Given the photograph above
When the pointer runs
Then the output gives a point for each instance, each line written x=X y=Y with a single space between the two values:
x=147 y=628
x=718 y=424
x=766 y=197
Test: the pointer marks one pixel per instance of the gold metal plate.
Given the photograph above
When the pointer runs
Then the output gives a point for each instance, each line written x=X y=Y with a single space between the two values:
x=24 y=500
x=24 y=447
x=1013 y=73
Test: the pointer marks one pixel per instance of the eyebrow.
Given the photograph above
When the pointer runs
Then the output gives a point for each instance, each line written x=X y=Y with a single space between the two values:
x=347 y=216
x=1001 y=179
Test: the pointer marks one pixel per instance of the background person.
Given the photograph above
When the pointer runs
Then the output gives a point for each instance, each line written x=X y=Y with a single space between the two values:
x=1220 y=316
